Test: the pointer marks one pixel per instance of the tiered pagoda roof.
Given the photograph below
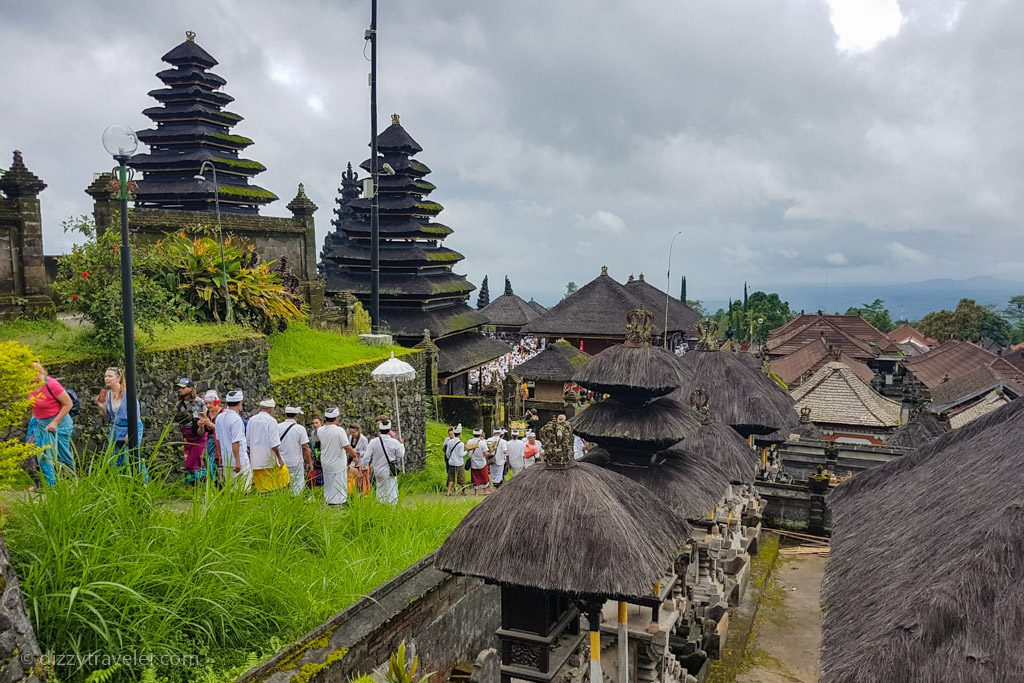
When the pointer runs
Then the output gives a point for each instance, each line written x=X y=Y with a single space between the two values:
x=418 y=289
x=192 y=126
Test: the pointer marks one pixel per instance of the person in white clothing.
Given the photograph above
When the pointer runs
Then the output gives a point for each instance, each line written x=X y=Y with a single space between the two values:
x=533 y=450
x=264 y=449
x=499 y=456
x=295 y=450
x=385 y=455
x=478 y=456
x=335 y=450
x=234 y=451
x=455 y=459
x=515 y=448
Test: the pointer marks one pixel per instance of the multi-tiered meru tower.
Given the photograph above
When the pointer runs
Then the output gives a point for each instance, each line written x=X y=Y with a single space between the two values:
x=192 y=126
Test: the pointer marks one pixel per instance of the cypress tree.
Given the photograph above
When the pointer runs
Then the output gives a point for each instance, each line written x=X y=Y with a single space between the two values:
x=682 y=290
x=508 y=286
x=484 y=297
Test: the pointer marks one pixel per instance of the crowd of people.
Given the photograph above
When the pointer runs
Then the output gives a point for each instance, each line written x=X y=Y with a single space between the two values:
x=490 y=461
x=221 y=446
x=521 y=350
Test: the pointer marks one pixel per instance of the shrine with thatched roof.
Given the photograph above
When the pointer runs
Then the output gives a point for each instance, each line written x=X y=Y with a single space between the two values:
x=509 y=312
x=922 y=587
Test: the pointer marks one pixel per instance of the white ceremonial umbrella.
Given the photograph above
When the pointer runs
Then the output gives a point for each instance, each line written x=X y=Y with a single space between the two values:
x=394 y=370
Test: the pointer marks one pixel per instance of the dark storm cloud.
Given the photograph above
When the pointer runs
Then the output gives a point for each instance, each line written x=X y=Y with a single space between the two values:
x=564 y=136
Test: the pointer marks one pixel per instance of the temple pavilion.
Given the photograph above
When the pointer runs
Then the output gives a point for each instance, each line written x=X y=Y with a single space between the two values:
x=509 y=312
x=418 y=289
x=192 y=127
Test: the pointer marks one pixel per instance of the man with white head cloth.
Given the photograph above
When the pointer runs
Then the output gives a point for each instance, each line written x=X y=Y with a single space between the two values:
x=265 y=449
x=385 y=455
x=234 y=450
x=295 y=450
x=335 y=451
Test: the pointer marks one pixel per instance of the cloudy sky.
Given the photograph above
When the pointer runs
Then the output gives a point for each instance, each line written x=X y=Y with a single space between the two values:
x=869 y=140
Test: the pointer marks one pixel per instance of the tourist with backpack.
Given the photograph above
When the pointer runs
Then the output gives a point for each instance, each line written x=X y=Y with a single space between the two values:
x=51 y=424
x=386 y=454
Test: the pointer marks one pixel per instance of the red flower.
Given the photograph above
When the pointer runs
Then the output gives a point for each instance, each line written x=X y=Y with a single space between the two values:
x=115 y=247
x=85 y=273
x=74 y=297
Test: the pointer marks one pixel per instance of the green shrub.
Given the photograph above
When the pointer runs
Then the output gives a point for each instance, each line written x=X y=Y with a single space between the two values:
x=89 y=282
x=109 y=564
x=17 y=379
x=190 y=269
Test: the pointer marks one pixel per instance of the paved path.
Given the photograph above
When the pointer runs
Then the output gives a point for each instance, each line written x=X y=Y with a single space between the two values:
x=787 y=630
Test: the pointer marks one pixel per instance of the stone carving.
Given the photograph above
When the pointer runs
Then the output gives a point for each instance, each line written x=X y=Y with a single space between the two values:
x=699 y=401
x=19 y=652
x=487 y=668
x=557 y=437
x=707 y=335
x=639 y=326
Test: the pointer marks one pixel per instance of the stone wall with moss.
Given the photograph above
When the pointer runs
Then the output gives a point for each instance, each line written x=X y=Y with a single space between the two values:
x=237 y=364
x=362 y=400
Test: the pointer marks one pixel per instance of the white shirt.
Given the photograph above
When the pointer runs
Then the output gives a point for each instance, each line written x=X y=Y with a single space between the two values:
x=230 y=429
x=455 y=452
x=360 y=447
x=515 y=449
x=262 y=435
x=477 y=449
x=333 y=455
x=499 y=447
x=375 y=455
x=291 y=443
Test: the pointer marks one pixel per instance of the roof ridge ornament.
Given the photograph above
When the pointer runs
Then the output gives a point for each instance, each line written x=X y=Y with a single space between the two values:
x=190 y=36
x=700 y=401
x=639 y=326
x=707 y=335
x=604 y=270
x=557 y=436
x=395 y=121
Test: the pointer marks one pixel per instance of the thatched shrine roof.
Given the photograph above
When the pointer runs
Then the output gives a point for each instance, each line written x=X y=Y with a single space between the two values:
x=558 y=362
x=926 y=563
x=721 y=444
x=466 y=351
x=691 y=485
x=632 y=371
x=739 y=395
x=509 y=310
x=923 y=428
x=650 y=426
x=591 y=532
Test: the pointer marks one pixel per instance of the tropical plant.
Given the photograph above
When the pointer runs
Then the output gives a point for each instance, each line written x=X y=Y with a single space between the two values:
x=402 y=670
x=969 y=321
x=876 y=314
x=191 y=270
x=89 y=282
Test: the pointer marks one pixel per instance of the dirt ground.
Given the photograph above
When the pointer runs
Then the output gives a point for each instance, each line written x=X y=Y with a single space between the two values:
x=783 y=647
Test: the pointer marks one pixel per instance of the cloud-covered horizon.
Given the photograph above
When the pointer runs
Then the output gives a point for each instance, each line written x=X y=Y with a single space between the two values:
x=877 y=142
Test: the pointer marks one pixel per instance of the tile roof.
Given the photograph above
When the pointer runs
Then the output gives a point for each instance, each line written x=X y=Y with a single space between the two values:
x=953 y=359
x=994 y=401
x=905 y=334
x=1000 y=375
x=809 y=358
x=836 y=395
x=850 y=333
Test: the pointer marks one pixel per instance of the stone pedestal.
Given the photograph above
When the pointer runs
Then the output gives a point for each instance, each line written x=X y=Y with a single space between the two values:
x=376 y=339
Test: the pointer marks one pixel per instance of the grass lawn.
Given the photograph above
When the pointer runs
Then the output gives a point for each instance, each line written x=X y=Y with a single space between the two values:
x=301 y=349
x=55 y=342
x=109 y=564
x=434 y=476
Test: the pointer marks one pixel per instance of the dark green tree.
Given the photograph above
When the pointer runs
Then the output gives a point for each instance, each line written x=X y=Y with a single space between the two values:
x=484 y=297
x=875 y=313
x=1015 y=314
x=766 y=311
x=508 y=286
x=682 y=290
x=969 y=321
x=570 y=289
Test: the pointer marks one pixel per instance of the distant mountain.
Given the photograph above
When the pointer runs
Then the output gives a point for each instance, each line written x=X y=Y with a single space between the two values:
x=909 y=300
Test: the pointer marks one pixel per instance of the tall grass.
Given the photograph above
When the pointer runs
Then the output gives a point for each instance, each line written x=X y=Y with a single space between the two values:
x=111 y=565
x=434 y=476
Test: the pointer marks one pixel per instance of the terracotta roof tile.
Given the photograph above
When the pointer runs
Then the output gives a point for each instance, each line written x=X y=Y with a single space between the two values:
x=809 y=358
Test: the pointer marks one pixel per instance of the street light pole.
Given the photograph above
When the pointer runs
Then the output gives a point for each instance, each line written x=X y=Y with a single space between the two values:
x=121 y=143
x=668 y=285
x=220 y=234
x=371 y=35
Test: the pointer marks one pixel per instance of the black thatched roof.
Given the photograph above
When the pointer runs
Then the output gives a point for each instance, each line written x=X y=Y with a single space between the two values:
x=466 y=351
x=633 y=371
x=739 y=396
x=680 y=316
x=597 y=309
x=692 y=486
x=556 y=363
x=721 y=444
x=922 y=429
x=649 y=426
x=590 y=532
x=927 y=559
x=509 y=310
x=537 y=306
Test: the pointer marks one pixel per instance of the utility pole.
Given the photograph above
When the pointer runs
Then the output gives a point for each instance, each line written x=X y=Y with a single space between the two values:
x=371 y=35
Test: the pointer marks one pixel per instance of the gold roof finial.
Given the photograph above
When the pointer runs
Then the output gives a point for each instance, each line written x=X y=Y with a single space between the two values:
x=394 y=120
x=190 y=36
